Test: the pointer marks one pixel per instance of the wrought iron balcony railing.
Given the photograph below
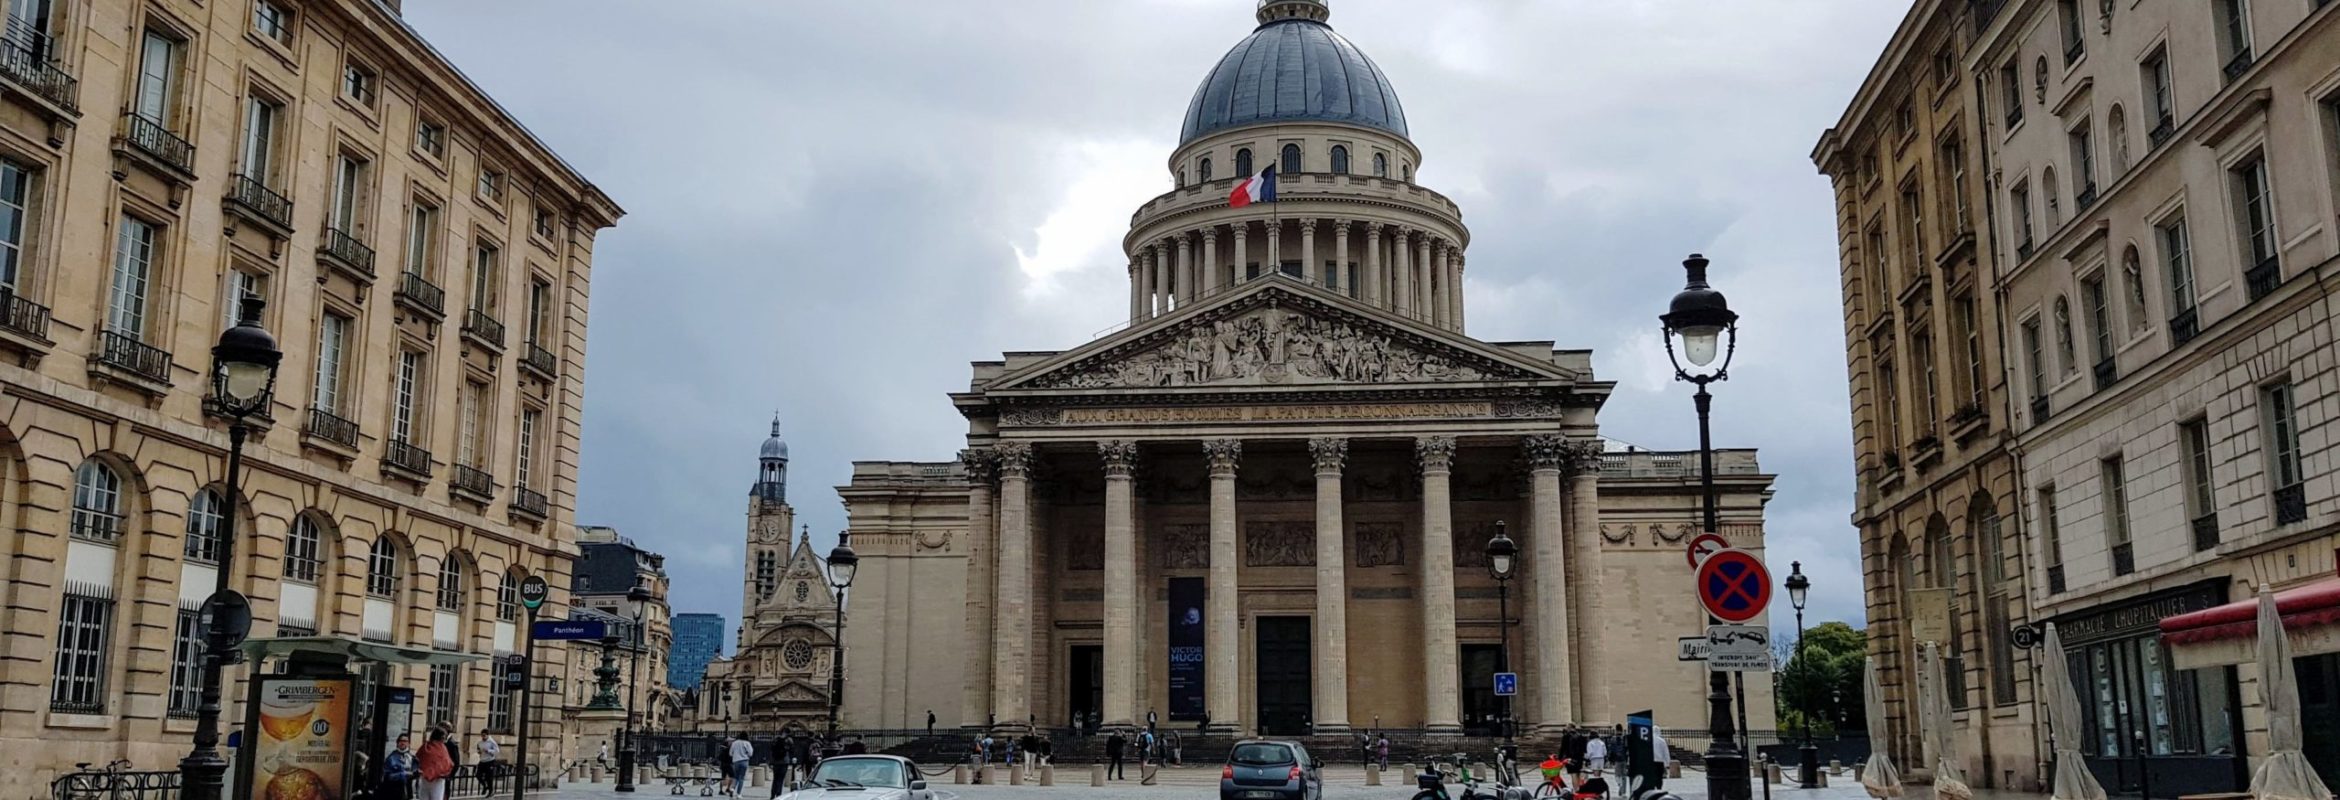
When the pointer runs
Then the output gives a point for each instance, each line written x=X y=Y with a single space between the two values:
x=127 y=353
x=331 y=427
x=2185 y=326
x=2108 y=373
x=2055 y=575
x=2239 y=64
x=530 y=502
x=31 y=68
x=2039 y=409
x=352 y=254
x=419 y=292
x=2124 y=558
x=2086 y=198
x=2264 y=278
x=472 y=479
x=478 y=325
x=2161 y=132
x=539 y=359
x=2291 y=504
x=158 y=142
x=2206 y=531
x=23 y=316
x=404 y=455
x=254 y=196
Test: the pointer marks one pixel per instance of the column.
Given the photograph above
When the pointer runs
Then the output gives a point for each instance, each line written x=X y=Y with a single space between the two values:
x=1457 y=315
x=1422 y=277
x=1547 y=551
x=1402 y=270
x=981 y=551
x=1219 y=629
x=1584 y=582
x=1441 y=681
x=1213 y=279
x=1242 y=255
x=1332 y=589
x=1308 y=265
x=1186 y=283
x=1373 y=277
x=1154 y=304
x=1137 y=292
x=1442 y=294
x=1011 y=663
x=1340 y=265
x=1275 y=246
x=1121 y=586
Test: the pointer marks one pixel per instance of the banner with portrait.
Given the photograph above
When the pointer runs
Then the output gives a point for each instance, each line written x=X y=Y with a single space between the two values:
x=301 y=747
x=1186 y=648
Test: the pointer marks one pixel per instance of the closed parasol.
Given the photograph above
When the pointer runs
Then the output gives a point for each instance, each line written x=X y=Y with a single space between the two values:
x=2284 y=774
x=1949 y=769
x=1881 y=778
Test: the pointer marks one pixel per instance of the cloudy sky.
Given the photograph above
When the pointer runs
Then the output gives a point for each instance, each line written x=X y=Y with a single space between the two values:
x=835 y=206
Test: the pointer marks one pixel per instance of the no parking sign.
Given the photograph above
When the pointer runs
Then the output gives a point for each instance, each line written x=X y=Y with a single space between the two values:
x=1734 y=586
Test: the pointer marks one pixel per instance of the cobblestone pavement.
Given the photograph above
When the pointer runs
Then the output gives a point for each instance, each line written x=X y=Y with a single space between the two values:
x=1341 y=783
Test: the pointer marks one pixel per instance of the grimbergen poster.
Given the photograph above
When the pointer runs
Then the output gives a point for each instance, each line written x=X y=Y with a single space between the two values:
x=302 y=750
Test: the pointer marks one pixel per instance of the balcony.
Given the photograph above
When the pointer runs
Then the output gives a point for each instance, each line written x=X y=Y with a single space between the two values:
x=2086 y=198
x=253 y=199
x=404 y=456
x=2014 y=115
x=2124 y=558
x=529 y=503
x=126 y=354
x=2107 y=373
x=2239 y=64
x=2206 y=531
x=2161 y=132
x=2291 y=504
x=28 y=66
x=157 y=144
x=540 y=361
x=418 y=293
x=23 y=317
x=327 y=426
x=2023 y=250
x=472 y=482
x=2263 y=279
x=2039 y=409
x=344 y=251
x=1968 y=420
x=2074 y=49
x=484 y=329
x=2056 y=579
x=2185 y=326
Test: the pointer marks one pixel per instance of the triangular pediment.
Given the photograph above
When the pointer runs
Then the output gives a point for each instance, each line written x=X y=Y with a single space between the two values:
x=1278 y=332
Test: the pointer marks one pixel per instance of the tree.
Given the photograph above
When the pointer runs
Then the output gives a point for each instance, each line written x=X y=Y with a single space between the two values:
x=1824 y=680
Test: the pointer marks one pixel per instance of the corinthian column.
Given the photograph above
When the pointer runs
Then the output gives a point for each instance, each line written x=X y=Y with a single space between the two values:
x=1212 y=276
x=1422 y=277
x=1275 y=248
x=1442 y=300
x=1440 y=677
x=1332 y=589
x=975 y=703
x=1219 y=638
x=1011 y=663
x=1308 y=265
x=1585 y=578
x=1547 y=546
x=1401 y=251
x=1186 y=284
x=1340 y=265
x=1457 y=314
x=1375 y=282
x=1121 y=586
x=1242 y=252
x=1137 y=292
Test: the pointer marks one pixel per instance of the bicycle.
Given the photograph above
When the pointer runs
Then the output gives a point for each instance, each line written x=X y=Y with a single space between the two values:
x=83 y=783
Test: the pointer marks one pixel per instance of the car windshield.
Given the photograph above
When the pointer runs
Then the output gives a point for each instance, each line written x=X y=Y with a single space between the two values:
x=1258 y=754
x=876 y=772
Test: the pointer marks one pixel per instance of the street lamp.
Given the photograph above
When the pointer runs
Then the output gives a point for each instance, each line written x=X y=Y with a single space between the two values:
x=1808 y=765
x=640 y=595
x=1705 y=324
x=243 y=383
x=843 y=562
x=1502 y=556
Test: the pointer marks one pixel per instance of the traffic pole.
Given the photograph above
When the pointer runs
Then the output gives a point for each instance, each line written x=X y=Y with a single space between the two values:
x=527 y=687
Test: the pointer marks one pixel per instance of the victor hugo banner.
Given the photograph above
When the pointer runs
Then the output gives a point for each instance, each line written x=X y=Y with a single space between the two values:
x=1186 y=648
x=302 y=750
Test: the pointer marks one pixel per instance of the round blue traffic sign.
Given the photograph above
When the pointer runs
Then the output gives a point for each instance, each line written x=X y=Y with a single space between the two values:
x=1734 y=586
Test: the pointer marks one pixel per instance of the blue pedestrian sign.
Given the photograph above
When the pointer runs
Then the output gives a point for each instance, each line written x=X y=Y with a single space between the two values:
x=1506 y=684
x=557 y=629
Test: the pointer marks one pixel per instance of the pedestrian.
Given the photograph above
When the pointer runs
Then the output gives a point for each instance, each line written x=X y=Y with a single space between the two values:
x=930 y=722
x=742 y=751
x=1596 y=754
x=1381 y=750
x=1008 y=751
x=1114 y=745
x=398 y=770
x=802 y=752
x=983 y=749
x=1146 y=746
x=603 y=758
x=1572 y=751
x=490 y=760
x=854 y=746
x=434 y=765
x=1047 y=751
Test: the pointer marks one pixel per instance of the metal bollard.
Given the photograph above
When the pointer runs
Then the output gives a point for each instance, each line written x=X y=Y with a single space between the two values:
x=1859 y=771
x=1373 y=774
x=1096 y=774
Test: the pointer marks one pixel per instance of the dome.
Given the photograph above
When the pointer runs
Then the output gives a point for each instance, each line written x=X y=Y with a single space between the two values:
x=774 y=447
x=1293 y=68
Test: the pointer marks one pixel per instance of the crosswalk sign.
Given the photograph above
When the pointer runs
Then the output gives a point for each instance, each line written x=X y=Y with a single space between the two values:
x=1506 y=684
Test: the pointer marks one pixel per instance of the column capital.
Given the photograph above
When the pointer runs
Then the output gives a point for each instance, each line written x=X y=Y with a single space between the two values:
x=1373 y=229
x=1584 y=458
x=1224 y=454
x=981 y=466
x=1435 y=453
x=1548 y=452
x=1240 y=230
x=1015 y=459
x=1210 y=235
x=1273 y=225
x=1120 y=457
x=1307 y=225
x=1331 y=454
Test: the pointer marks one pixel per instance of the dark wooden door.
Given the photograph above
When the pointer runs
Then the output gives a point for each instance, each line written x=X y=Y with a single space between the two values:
x=1087 y=677
x=1283 y=670
x=1482 y=711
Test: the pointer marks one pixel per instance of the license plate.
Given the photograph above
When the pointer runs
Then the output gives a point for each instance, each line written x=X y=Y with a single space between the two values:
x=1263 y=793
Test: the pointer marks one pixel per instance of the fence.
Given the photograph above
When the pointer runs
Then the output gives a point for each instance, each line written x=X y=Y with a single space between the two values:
x=675 y=749
x=116 y=785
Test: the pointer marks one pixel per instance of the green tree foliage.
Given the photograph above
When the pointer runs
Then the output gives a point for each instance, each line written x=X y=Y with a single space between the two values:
x=1821 y=684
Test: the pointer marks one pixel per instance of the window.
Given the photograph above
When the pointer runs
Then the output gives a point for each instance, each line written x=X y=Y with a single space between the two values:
x=357 y=83
x=491 y=184
x=1340 y=159
x=1380 y=165
x=1889 y=418
x=272 y=20
x=2020 y=199
x=539 y=308
x=2084 y=164
x=525 y=467
x=204 y=517
x=439 y=700
x=15 y=205
x=158 y=79
x=484 y=259
x=1983 y=525
x=405 y=387
x=1243 y=162
x=2256 y=204
x=97 y=502
x=1945 y=68
x=422 y=240
x=382 y=573
x=2099 y=316
x=541 y=221
x=499 y=714
x=260 y=120
x=1970 y=330
x=2075 y=39
x=2034 y=361
x=1880 y=295
x=2234 y=36
x=1954 y=167
x=349 y=188
x=302 y=546
x=508 y=598
x=2158 y=99
x=2064 y=349
x=2116 y=516
x=84 y=636
x=2201 y=503
x=186 y=665
x=2011 y=92
x=28 y=29
x=1921 y=350
x=431 y=138
x=2281 y=428
x=1904 y=120
x=1291 y=160
x=2133 y=279
x=134 y=253
x=1406 y=172
x=2177 y=258
x=450 y=594
x=1912 y=212
x=240 y=284
x=1202 y=169
x=332 y=336
x=1942 y=573
x=473 y=445
x=2051 y=539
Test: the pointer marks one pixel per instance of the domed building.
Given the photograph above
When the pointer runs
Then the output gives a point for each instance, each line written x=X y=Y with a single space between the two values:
x=1263 y=506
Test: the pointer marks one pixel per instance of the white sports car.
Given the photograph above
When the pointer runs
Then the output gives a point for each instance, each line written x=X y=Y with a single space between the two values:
x=867 y=777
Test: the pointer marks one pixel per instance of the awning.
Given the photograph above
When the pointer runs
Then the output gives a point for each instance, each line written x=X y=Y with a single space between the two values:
x=2224 y=634
x=353 y=650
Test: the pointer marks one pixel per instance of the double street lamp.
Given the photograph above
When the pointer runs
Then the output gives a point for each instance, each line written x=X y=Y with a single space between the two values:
x=1808 y=756
x=843 y=562
x=243 y=384
x=1502 y=556
x=1707 y=328
x=640 y=597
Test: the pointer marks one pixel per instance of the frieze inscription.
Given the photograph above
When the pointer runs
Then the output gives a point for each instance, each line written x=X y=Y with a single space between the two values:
x=1294 y=413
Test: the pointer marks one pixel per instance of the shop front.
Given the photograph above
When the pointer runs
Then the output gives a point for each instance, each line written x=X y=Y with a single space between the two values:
x=2152 y=724
x=2225 y=636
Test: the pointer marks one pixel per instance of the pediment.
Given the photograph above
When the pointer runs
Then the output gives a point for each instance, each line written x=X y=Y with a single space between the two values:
x=1276 y=333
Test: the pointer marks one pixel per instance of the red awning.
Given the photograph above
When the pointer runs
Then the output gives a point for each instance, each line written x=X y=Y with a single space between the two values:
x=2304 y=606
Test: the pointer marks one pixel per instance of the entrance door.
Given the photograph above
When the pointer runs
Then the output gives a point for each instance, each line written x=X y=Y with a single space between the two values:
x=1482 y=711
x=1283 y=671
x=2319 y=712
x=1087 y=689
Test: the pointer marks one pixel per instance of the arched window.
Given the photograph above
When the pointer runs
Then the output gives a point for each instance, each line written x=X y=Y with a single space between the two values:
x=1203 y=169
x=451 y=583
x=382 y=571
x=2064 y=336
x=1942 y=573
x=1182 y=179
x=2116 y=129
x=203 y=523
x=2133 y=274
x=1380 y=165
x=1291 y=159
x=1905 y=583
x=1243 y=162
x=97 y=502
x=1409 y=173
x=302 y=548
x=508 y=597
x=1340 y=159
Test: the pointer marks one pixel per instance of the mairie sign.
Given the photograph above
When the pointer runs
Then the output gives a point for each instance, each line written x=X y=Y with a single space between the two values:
x=556 y=629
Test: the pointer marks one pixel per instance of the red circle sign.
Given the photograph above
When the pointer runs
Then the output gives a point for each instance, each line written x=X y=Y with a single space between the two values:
x=1734 y=586
x=1706 y=544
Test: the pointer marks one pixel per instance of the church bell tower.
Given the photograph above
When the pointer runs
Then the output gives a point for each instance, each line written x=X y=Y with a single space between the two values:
x=770 y=519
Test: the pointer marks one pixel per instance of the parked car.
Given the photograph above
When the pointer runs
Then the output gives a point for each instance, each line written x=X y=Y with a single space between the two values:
x=865 y=777
x=1261 y=769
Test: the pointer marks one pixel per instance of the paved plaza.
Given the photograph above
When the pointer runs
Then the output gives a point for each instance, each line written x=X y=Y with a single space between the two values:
x=1341 y=783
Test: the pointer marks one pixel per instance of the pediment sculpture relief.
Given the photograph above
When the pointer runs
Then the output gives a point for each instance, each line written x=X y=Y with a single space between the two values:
x=1273 y=345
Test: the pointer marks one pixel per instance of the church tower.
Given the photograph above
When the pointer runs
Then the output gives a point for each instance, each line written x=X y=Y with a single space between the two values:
x=770 y=519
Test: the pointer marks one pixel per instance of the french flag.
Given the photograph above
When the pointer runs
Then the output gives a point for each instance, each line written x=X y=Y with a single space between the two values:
x=1260 y=188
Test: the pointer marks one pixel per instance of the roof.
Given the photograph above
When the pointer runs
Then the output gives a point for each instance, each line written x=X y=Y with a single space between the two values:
x=1293 y=70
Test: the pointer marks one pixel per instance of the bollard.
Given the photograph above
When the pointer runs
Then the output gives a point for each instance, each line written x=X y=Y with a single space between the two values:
x=1016 y=775
x=1047 y=774
x=1673 y=769
x=1823 y=780
x=1835 y=766
x=1771 y=774
x=758 y=777
x=959 y=774
x=593 y=773
x=1373 y=774
x=1096 y=774
x=1146 y=774
x=1860 y=770
x=991 y=774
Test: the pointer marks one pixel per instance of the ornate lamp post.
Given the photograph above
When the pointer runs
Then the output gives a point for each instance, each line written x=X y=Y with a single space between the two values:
x=1707 y=327
x=605 y=679
x=1808 y=756
x=842 y=564
x=243 y=383
x=640 y=595
x=1502 y=557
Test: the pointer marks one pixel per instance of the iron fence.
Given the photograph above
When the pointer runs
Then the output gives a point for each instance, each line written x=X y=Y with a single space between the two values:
x=115 y=784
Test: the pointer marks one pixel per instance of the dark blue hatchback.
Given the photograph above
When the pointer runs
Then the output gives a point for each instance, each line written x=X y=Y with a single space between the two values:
x=1259 y=769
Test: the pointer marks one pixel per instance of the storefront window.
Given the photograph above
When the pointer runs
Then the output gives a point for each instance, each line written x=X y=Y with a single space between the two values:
x=2214 y=702
x=2156 y=695
x=2109 y=704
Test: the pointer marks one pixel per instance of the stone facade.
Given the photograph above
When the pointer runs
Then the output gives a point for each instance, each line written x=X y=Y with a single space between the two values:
x=139 y=228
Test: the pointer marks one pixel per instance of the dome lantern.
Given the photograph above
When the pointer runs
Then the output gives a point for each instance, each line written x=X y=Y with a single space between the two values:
x=1272 y=10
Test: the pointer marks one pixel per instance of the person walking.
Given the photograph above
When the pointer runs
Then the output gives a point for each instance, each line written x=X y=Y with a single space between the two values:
x=434 y=764
x=742 y=751
x=491 y=758
x=1114 y=747
x=1381 y=751
x=397 y=770
x=930 y=722
x=983 y=749
x=1145 y=747
x=1596 y=754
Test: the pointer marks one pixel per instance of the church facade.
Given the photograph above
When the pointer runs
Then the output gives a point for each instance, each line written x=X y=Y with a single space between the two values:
x=1263 y=505
x=779 y=677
